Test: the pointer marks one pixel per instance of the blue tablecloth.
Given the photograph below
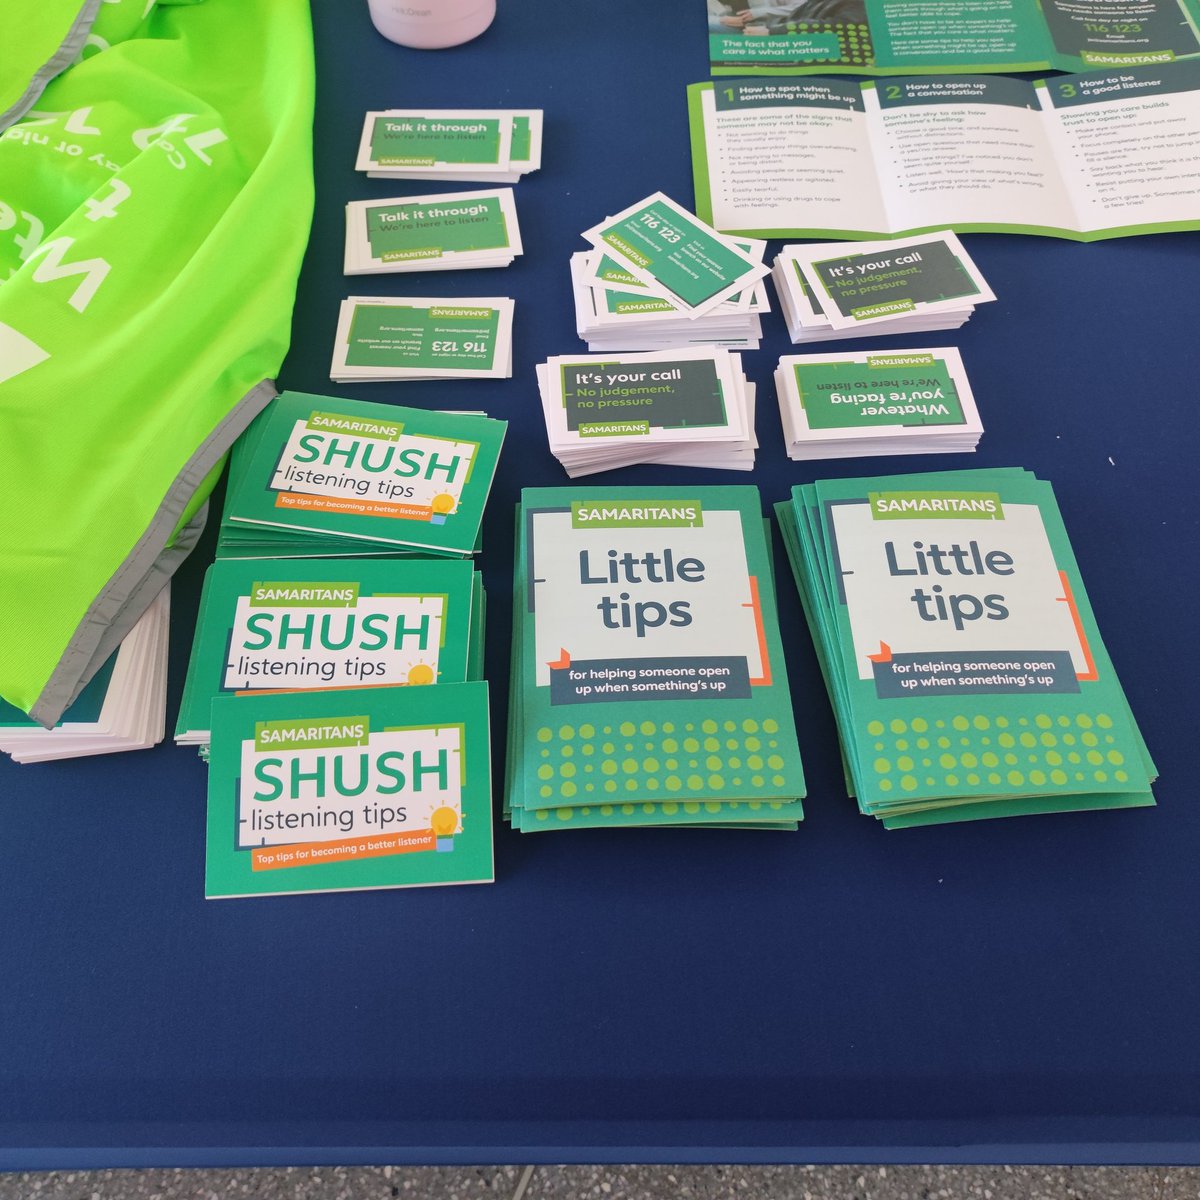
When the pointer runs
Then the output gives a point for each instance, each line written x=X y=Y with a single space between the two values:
x=1006 y=990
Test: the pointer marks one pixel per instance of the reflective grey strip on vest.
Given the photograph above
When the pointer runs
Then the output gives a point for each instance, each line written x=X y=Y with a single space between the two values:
x=148 y=567
x=70 y=49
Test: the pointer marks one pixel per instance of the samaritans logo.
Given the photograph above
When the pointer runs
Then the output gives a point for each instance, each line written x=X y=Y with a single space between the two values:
x=321 y=733
x=1137 y=59
x=636 y=306
x=461 y=314
x=893 y=506
x=388 y=431
x=613 y=428
x=888 y=362
x=626 y=249
x=635 y=514
x=311 y=595
x=869 y=312
x=611 y=273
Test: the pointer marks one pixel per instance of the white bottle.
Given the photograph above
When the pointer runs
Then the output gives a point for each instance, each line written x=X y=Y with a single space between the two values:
x=431 y=24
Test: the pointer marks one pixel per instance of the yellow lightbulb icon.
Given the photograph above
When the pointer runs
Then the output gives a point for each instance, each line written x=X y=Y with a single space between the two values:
x=420 y=673
x=444 y=823
x=442 y=503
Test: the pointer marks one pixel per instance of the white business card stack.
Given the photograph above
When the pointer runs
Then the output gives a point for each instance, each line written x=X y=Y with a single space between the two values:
x=689 y=407
x=392 y=338
x=855 y=405
x=450 y=231
x=460 y=145
x=657 y=277
x=834 y=290
x=615 y=313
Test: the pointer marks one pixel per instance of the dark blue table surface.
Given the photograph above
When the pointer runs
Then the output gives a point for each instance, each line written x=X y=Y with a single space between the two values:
x=1005 y=990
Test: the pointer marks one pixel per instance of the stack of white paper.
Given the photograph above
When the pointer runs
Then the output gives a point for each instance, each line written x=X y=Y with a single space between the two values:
x=852 y=405
x=834 y=290
x=446 y=232
x=691 y=407
x=460 y=145
x=423 y=337
x=123 y=707
x=626 y=315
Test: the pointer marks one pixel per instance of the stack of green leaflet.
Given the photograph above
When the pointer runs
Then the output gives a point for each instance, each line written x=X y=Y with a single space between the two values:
x=648 y=683
x=242 y=541
x=959 y=648
x=321 y=476
x=344 y=790
x=295 y=625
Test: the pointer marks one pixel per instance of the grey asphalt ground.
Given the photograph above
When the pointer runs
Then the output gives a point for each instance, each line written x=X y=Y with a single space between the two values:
x=614 y=1183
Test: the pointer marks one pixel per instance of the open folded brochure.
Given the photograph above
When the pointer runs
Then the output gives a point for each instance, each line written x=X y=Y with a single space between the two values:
x=1098 y=155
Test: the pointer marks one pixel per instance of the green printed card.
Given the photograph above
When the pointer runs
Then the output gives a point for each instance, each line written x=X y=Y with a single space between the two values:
x=671 y=395
x=898 y=402
x=423 y=337
x=649 y=684
x=347 y=790
x=882 y=281
x=453 y=138
x=373 y=475
x=485 y=145
x=602 y=273
x=962 y=656
x=314 y=625
x=455 y=230
x=675 y=254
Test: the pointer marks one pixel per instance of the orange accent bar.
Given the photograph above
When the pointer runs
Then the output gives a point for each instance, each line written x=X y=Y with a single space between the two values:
x=763 y=680
x=1068 y=597
x=357 y=508
x=308 y=854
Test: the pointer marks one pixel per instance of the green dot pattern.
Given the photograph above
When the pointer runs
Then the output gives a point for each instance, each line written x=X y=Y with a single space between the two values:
x=1041 y=752
x=644 y=773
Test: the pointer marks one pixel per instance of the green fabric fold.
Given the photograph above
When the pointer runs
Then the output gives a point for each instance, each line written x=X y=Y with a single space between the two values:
x=153 y=216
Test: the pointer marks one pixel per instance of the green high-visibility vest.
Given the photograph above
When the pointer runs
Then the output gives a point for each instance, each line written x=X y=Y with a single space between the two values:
x=155 y=201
